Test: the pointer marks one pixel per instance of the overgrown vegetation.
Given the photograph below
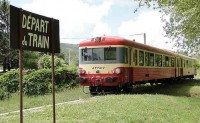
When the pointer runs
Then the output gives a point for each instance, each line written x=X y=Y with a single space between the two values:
x=30 y=59
x=36 y=101
x=8 y=84
x=39 y=82
x=36 y=82
x=45 y=62
x=37 y=76
x=179 y=102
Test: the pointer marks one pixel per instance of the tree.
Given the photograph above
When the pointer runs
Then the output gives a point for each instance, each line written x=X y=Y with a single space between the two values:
x=45 y=62
x=30 y=59
x=7 y=56
x=183 y=25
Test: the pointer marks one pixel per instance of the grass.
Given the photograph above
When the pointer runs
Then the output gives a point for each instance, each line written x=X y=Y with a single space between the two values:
x=29 y=102
x=176 y=103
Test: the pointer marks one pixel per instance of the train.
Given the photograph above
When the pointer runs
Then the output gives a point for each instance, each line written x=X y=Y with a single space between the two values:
x=111 y=64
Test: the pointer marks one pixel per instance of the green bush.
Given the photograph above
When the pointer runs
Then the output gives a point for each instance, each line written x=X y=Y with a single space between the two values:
x=4 y=94
x=45 y=62
x=65 y=76
x=60 y=76
x=72 y=69
x=37 y=83
x=30 y=59
x=10 y=81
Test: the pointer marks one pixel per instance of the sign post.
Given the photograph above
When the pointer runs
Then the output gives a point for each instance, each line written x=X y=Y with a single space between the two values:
x=53 y=87
x=20 y=72
x=30 y=31
x=53 y=77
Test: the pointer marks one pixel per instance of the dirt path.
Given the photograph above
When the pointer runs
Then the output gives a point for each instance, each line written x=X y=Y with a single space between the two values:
x=39 y=109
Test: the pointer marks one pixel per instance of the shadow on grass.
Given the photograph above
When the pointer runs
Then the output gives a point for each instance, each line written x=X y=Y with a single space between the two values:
x=189 y=88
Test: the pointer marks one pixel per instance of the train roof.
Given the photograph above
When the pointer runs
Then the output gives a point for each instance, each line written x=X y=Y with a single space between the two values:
x=110 y=40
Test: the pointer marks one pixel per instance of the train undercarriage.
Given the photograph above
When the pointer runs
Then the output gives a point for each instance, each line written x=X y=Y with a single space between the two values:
x=129 y=87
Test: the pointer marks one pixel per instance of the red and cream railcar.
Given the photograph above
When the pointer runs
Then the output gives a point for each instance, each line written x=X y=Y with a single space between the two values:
x=113 y=63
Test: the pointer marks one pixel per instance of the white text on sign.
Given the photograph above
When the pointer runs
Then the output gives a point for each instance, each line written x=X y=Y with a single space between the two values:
x=35 y=25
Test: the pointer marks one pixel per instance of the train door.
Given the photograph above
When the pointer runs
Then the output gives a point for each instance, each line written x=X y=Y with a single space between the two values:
x=175 y=66
x=178 y=67
x=181 y=68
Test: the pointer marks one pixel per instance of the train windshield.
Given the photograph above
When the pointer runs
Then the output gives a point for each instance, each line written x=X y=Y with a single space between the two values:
x=103 y=55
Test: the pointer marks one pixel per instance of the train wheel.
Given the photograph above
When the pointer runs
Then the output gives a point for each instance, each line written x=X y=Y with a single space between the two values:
x=94 y=90
x=127 y=88
x=115 y=90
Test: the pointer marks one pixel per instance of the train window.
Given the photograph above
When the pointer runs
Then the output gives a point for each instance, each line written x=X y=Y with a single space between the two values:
x=163 y=61
x=123 y=55
x=172 y=62
x=178 y=62
x=97 y=54
x=158 y=60
x=135 y=57
x=110 y=53
x=149 y=59
x=167 y=61
x=141 y=58
x=146 y=59
x=191 y=64
x=187 y=63
x=87 y=54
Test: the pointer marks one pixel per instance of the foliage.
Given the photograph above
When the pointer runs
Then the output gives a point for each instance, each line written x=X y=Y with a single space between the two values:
x=183 y=25
x=4 y=12
x=197 y=64
x=37 y=83
x=10 y=81
x=4 y=94
x=178 y=103
x=72 y=69
x=65 y=76
x=7 y=55
x=45 y=62
x=30 y=59
x=8 y=84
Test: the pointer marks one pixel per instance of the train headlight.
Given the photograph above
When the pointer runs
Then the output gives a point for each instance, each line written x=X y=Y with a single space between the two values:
x=117 y=71
x=81 y=71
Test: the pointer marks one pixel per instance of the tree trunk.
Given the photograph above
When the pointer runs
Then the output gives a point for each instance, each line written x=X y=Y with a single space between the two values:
x=4 y=65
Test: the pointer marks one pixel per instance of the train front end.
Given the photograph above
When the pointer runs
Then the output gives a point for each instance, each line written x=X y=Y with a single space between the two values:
x=102 y=65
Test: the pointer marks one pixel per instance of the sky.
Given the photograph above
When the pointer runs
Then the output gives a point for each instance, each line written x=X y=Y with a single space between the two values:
x=83 y=19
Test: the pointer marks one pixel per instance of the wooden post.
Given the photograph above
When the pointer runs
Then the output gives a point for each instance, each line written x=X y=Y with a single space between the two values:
x=53 y=86
x=52 y=73
x=20 y=69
